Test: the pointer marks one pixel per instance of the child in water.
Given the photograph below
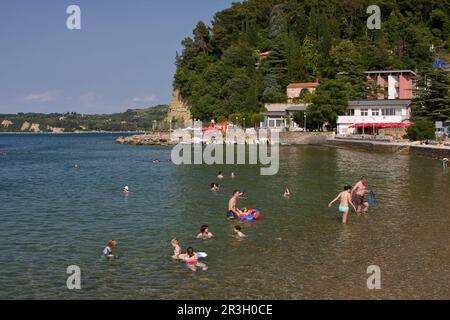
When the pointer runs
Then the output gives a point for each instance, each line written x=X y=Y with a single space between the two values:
x=108 y=251
x=238 y=233
x=204 y=233
x=176 y=248
x=220 y=175
x=346 y=199
x=191 y=260
x=287 y=193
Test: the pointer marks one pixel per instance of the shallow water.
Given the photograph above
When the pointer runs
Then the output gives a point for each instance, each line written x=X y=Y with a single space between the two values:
x=53 y=215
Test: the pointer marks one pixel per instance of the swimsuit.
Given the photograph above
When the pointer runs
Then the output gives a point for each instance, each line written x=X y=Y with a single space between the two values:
x=343 y=209
x=107 y=251
x=230 y=214
x=360 y=200
x=192 y=262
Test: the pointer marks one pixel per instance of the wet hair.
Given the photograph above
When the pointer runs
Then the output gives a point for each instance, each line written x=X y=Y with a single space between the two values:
x=363 y=178
x=213 y=185
x=220 y=172
x=236 y=191
x=203 y=228
x=190 y=251
x=111 y=243
x=349 y=187
x=238 y=228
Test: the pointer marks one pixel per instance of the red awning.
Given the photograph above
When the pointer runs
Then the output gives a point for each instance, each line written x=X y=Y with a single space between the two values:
x=382 y=125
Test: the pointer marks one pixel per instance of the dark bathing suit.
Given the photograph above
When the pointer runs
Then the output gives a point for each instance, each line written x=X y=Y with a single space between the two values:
x=360 y=200
x=230 y=214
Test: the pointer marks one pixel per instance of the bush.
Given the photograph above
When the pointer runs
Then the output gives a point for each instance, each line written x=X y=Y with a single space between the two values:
x=421 y=130
x=221 y=119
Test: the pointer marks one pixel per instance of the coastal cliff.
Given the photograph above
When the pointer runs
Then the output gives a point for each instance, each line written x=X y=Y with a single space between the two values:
x=179 y=110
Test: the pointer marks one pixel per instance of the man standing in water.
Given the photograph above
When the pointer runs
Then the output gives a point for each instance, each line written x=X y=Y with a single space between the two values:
x=233 y=211
x=360 y=200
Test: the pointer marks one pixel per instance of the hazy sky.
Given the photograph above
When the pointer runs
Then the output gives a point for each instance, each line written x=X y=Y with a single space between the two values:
x=122 y=57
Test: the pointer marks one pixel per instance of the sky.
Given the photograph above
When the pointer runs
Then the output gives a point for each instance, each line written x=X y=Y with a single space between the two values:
x=123 y=57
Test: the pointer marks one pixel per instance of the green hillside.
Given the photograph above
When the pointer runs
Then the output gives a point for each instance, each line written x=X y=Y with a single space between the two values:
x=222 y=75
x=133 y=119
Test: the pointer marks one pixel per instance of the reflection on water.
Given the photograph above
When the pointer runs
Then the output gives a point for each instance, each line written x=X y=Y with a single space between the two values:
x=54 y=216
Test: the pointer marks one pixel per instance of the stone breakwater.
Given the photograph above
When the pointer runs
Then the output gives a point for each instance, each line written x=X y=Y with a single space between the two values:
x=436 y=152
x=165 y=139
x=153 y=138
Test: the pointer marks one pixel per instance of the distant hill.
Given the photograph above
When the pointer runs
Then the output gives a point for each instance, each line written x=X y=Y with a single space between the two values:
x=131 y=120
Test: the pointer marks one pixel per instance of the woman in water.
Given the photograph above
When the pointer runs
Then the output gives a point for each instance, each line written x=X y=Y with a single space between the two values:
x=191 y=260
x=204 y=233
x=108 y=251
x=346 y=199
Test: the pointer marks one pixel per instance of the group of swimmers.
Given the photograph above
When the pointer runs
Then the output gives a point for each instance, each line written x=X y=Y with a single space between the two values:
x=346 y=197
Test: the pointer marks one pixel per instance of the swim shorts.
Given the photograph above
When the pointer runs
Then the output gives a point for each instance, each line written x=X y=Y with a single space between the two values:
x=343 y=209
x=230 y=214
x=360 y=200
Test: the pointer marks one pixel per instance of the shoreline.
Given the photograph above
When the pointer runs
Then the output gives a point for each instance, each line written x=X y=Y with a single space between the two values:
x=311 y=138
x=76 y=132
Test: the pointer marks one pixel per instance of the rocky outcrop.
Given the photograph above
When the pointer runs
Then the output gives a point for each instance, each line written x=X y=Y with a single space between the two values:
x=35 y=127
x=179 y=110
x=25 y=126
x=55 y=130
x=6 y=123
x=153 y=138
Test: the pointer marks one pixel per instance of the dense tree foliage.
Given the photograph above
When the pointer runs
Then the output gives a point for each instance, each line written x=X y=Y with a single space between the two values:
x=220 y=71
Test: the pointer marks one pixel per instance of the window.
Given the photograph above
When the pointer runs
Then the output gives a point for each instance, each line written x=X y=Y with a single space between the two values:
x=364 y=112
x=271 y=123
x=375 y=112
x=388 y=112
x=350 y=112
x=280 y=123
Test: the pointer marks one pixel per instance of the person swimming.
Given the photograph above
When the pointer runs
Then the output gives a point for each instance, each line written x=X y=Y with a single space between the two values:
x=233 y=175
x=233 y=211
x=220 y=175
x=445 y=162
x=176 y=248
x=204 y=233
x=287 y=193
x=346 y=200
x=155 y=161
x=125 y=189
x=191 y=260
x=108 y=251
x=214 y=187
x=238 y=233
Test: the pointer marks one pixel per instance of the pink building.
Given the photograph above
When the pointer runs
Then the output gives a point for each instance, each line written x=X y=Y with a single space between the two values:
x=396 y=84
x=295 y=89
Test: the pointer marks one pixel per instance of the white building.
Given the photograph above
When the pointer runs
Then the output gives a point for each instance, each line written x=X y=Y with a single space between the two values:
x=369 y=115
x=277 y=115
